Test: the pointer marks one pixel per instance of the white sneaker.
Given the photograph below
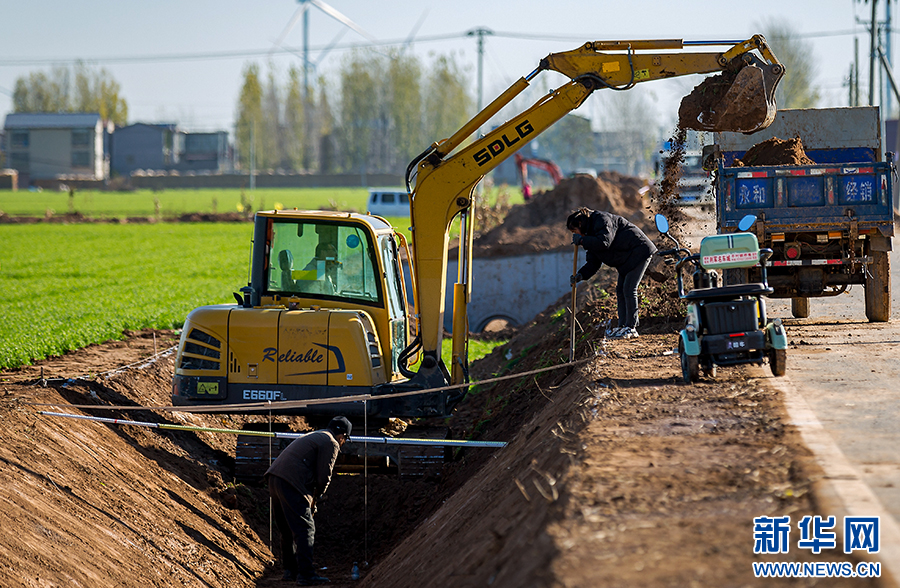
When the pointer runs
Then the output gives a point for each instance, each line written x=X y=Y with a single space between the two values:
x=624 y=333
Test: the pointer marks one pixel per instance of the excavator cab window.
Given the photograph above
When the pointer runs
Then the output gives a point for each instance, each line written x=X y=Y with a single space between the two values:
x=323 y=260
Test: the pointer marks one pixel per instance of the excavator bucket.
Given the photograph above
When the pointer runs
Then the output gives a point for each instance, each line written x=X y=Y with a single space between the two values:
x=740 y=99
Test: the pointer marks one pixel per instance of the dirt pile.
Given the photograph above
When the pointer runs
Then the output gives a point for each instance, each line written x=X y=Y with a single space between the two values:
x=616 y=474
x=540 y=224
x=733 y=100
x=775 y=151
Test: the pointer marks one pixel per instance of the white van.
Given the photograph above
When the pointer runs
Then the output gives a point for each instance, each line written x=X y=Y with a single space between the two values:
x=388 y=202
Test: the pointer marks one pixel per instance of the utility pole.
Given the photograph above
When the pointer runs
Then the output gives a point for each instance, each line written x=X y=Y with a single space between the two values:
x=855 y=88
x=305 y=53
x=480 y=34
x=307 y=110
x=887 y=58
x=873 y=34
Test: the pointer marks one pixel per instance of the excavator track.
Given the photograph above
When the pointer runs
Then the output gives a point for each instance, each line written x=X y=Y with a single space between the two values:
x=417 y=461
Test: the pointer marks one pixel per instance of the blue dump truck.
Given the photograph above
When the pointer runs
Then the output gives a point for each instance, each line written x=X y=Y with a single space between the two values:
x=830 y=224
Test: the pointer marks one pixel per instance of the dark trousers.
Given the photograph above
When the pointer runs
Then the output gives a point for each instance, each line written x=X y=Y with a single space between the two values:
x=627 y=293
x=294 y=519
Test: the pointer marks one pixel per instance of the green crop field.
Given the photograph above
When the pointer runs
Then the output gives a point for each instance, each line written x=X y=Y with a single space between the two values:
x=174 y=203
x=167 y=204
x=67 y=286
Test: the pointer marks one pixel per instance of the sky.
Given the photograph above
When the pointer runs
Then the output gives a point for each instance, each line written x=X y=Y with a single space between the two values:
x=182 y=60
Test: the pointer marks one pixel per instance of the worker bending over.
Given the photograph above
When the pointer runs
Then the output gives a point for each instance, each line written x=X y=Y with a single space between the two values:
x=610 y=239
x=297 y=479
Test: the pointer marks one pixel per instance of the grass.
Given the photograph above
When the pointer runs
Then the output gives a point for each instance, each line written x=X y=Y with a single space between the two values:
x=67 y=286
x=71 y=285
x=174 y=203
x=170 y=204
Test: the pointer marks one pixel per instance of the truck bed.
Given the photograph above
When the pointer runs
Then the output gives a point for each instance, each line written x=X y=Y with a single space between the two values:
x=851 y=181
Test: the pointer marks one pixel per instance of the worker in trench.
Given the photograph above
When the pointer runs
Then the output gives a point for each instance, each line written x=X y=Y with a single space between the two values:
x=611 y=239
x=297 y=479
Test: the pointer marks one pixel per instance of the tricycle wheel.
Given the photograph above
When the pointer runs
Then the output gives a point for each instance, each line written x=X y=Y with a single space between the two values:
x=690 y=365
x=878 y=288
x=778 y=361
x=800 y=307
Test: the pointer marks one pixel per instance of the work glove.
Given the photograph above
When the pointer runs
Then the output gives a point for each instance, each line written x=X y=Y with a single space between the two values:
x=576 y=239
x=574 y=279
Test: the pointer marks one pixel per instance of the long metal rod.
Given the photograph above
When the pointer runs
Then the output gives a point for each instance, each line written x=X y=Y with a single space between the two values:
x=890 y=74
x=282 y=435
x=574 y=299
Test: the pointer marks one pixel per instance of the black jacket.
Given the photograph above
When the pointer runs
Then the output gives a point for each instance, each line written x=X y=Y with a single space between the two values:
x=307 y=463
x=612 y=240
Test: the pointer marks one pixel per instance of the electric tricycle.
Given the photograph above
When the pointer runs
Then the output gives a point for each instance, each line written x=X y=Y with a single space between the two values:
x=726 y=324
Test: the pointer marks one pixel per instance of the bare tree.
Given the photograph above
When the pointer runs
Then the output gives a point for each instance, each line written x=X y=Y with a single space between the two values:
x=294 y=120
x=631 y=119
x=248 y=128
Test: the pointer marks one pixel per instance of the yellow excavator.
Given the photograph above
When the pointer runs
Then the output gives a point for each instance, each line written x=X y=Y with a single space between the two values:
x=325 y=314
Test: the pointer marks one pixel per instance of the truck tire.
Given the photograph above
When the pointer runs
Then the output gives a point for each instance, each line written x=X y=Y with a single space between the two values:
x=878 y=288
x=778 y=361
x=800 y=307
x=739 y=275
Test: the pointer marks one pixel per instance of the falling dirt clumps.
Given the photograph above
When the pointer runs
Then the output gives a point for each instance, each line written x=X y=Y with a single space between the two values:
x=540 y=224
x=666 y=194
x=775 y=151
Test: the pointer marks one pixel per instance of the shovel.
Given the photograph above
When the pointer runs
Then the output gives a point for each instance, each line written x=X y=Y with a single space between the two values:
x=574 y=286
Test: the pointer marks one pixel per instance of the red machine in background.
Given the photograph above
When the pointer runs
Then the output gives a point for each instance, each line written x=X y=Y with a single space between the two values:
x=522 y=164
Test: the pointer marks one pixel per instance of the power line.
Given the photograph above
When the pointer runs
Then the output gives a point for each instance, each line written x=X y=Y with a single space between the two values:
x=285 y=50
x=210 y=55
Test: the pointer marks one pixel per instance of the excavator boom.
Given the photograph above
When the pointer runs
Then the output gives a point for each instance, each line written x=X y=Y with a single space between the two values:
x=442 y=179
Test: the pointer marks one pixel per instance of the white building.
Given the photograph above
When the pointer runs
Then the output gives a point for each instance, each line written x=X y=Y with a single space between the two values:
x=57 y=145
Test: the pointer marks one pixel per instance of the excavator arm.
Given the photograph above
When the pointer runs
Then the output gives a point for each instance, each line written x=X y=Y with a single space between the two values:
x=522 y=164
x=443 y=178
